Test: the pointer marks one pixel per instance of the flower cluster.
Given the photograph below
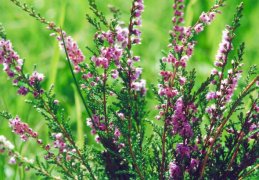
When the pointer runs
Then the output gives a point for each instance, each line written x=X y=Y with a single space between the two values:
x=35 y=78
x=74 y=53
x=31 y=84
x=174 y=170
x=137 y=10
x=34 y=82
x=9 y=58
x=183 y=154
x=139 y=86
x=178 y=30
x=117 y=42
x=60 y=144
x=23 y=90
x=97 y=122
x=180 y=36
x=183 y=150
x=13 y=67
x=227 y=86
x=22 y=129
x=224 y=48
x=205 y=19
x=113 y=53
x=179 y=119
x=182 y=50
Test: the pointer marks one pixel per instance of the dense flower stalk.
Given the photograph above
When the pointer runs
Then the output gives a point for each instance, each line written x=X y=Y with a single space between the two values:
x=224 y=48
x=117 y=42
x=74 y=53
x=179 y=119
x=9 y=58
x=136 y=20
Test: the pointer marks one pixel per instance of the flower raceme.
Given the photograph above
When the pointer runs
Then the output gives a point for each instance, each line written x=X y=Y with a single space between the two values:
x=9 y=58
x=22 y=129
x=224 y=48
x=207 y=131
x=74 y=53
x=13 y=65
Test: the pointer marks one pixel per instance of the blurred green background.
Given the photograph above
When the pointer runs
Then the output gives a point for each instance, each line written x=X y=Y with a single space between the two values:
x=32 y=42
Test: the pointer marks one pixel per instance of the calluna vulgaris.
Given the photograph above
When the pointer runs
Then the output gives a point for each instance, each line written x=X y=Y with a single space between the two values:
x=207 y=132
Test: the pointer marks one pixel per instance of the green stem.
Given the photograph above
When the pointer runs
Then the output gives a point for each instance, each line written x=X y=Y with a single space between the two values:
x=74 y=77
x=81 y=95
x=105 y=101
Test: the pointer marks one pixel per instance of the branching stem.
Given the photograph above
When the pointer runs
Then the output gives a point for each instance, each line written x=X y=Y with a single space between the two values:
x=220 y=128
x=162 y=168
x=105 y=101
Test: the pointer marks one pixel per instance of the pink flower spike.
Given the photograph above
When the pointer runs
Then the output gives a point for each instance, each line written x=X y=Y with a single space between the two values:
x=74 y=53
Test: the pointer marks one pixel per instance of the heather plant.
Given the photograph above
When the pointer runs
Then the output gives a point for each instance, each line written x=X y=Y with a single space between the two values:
x=208 y=131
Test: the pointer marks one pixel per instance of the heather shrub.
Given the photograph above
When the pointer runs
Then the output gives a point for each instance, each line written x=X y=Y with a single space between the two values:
x=202 y=130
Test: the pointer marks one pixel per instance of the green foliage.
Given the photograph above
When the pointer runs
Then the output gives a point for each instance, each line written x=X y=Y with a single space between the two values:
x=141 y=135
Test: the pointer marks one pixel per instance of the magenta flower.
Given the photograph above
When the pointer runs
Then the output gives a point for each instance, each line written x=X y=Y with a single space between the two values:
x=174 y=170
x=22 y=129
x=9 y=58
x=179 y=121
x=117 y=133
x=198 y=28
x=74 y=53
x=36 y=77
x=224 y=47
x=23 y=91
x=194 y=164
x=59 y=142
x=138 y=8
x=183 y=150
x=211 y=95
x=139 y=86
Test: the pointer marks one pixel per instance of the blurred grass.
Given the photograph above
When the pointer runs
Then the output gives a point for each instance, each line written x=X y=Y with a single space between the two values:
x=32 y=42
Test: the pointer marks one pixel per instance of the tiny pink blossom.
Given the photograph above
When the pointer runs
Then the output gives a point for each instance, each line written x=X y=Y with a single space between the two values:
x=12 y=160
x=117 y=133
x=198 y=28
